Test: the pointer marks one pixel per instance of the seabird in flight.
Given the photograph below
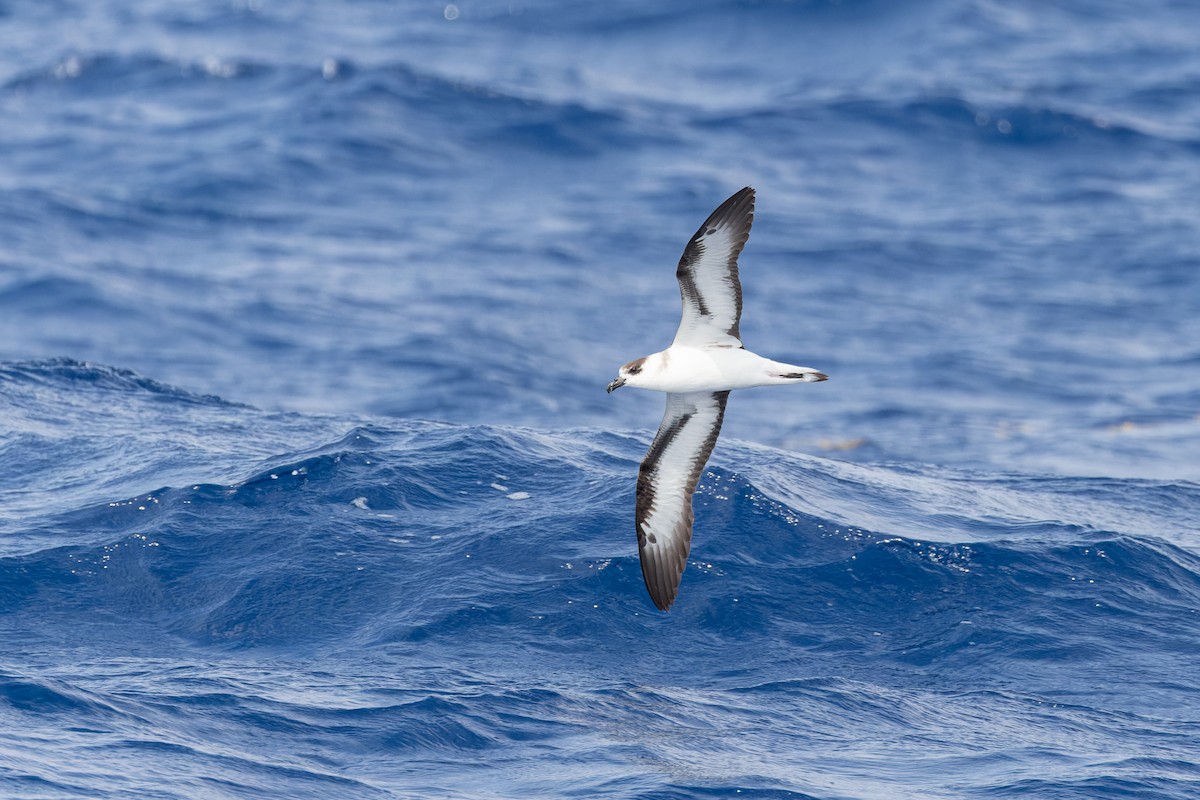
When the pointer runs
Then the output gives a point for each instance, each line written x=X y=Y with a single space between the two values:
x=703 y=364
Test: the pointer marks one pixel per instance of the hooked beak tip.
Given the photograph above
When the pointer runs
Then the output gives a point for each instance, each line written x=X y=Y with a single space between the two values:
x=617 y=384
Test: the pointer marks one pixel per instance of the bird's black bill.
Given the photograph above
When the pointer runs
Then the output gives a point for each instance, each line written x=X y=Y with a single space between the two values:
x=617 y=384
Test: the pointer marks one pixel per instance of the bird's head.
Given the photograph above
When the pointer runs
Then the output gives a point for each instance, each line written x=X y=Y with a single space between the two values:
x=630 y=373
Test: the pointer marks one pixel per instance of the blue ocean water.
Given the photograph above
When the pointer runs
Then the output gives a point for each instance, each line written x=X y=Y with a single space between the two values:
x=310 y=488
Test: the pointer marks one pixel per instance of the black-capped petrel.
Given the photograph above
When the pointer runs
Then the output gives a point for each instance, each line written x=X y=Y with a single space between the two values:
x=704 y=362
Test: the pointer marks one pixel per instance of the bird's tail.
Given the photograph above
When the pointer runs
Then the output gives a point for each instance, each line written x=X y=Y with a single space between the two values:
x=787 y=373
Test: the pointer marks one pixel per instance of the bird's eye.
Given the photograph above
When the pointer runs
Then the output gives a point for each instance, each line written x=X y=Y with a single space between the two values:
x=634 y=370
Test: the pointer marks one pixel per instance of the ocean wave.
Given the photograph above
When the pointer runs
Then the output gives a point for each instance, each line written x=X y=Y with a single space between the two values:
x=402 y=533
x=957 y=118
x=65 y=376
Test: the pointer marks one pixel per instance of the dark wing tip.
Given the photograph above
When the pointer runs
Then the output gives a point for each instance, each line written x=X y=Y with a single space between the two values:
x=661 y=594
x=662 y=580
x=662 y=567
x=737 y=211
x=663 y=602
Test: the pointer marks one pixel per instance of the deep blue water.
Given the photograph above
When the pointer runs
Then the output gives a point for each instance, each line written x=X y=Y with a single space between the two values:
x=310 y=488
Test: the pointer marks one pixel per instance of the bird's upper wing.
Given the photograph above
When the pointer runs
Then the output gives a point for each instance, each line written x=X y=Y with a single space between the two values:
x=667 y=478
x=708 y=275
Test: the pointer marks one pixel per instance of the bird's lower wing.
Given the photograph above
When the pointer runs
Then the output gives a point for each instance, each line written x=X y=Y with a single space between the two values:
x=666 y=481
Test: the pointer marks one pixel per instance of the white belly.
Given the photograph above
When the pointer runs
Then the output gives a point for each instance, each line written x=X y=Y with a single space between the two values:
x=714 y=369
